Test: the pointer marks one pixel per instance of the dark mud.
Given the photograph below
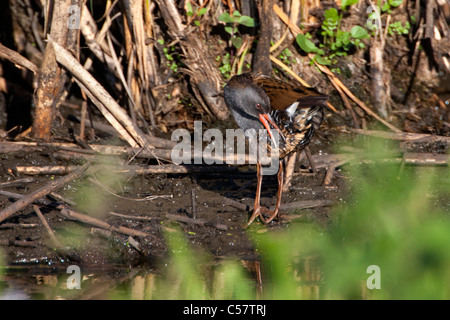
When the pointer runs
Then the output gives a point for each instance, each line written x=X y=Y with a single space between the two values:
x=173 y=194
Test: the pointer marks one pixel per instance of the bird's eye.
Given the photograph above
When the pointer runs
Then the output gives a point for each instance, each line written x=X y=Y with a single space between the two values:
x=258 y=106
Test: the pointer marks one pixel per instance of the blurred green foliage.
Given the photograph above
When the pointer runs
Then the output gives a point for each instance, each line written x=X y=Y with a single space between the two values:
x=394 y=220
x=397 y=220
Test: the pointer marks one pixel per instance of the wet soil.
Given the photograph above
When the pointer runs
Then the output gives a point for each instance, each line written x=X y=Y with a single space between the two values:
x=222 y=234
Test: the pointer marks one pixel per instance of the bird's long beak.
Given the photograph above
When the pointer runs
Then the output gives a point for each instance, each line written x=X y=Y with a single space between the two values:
x=265 y=120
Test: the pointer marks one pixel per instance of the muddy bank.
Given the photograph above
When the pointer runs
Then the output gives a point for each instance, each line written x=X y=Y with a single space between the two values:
x=152 y=203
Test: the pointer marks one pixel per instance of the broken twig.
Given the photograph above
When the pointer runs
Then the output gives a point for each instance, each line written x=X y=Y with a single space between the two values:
x=29 y=199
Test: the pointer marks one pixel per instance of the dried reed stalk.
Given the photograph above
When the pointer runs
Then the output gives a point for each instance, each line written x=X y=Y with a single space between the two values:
x=205 y=79
x=93 y=88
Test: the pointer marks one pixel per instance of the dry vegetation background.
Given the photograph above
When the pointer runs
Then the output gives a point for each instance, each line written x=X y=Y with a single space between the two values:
x=159 y=65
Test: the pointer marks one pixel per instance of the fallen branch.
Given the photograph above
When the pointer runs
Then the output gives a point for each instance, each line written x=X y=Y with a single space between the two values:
x=18 y=225
x=305 y=204
x=100 y=150
x=8 y=146
x=74 y=215
x=17 y=59
x=129 y=217
x=30 y=198
x=48 y=228
x=322 y=161
x=330 y=171
x=18 y=243
x=200 y=222
x=425 y=159
x=346 y=102
x=236 y=204
x=403 y=136
x=128 y=169
x=17 y=182
x=54 y=170
x=41 y=201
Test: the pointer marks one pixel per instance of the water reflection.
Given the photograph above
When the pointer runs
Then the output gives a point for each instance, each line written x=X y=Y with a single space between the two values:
x=52 y=284
x=245 y=277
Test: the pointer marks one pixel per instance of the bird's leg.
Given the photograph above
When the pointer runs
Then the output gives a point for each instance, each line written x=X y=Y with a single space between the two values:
x=257 y=206
x=280 y=177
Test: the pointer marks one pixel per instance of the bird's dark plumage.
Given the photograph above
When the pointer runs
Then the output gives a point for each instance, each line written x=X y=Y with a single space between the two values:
x=296 y=112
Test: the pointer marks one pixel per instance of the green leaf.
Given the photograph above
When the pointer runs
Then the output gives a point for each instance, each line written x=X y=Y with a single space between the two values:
x=322 y=60
x=236 y=13
x=189 y=10
x=197 y=23
x=225 y=17
x=237 y=42
x=345 y=38
x=331 y=14
x=229 y=29
x=347 y=3
x=395 y=3
x=385 y=7
x=305 y=44
x=327 y=32
x=359 y=32
x=201 y=11
x=246 y=21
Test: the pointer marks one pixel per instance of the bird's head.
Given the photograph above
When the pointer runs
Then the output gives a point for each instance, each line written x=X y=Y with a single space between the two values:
x=249 y=105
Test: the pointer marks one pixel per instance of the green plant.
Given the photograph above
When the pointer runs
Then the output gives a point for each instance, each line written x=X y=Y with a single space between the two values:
x=389 y=4
x=225 y=65
x=231 y=25
x=172 y=57
x=335 y=41
x=375 y=16
x=347 y=3
x=198 y=12
x=397 y=28
x=286 y=57
x=339 y=41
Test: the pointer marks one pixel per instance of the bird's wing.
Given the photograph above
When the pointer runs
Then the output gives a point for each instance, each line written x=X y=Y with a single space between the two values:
x=283 y=94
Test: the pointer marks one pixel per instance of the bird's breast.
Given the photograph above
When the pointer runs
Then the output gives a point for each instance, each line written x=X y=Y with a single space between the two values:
x=298 y=127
